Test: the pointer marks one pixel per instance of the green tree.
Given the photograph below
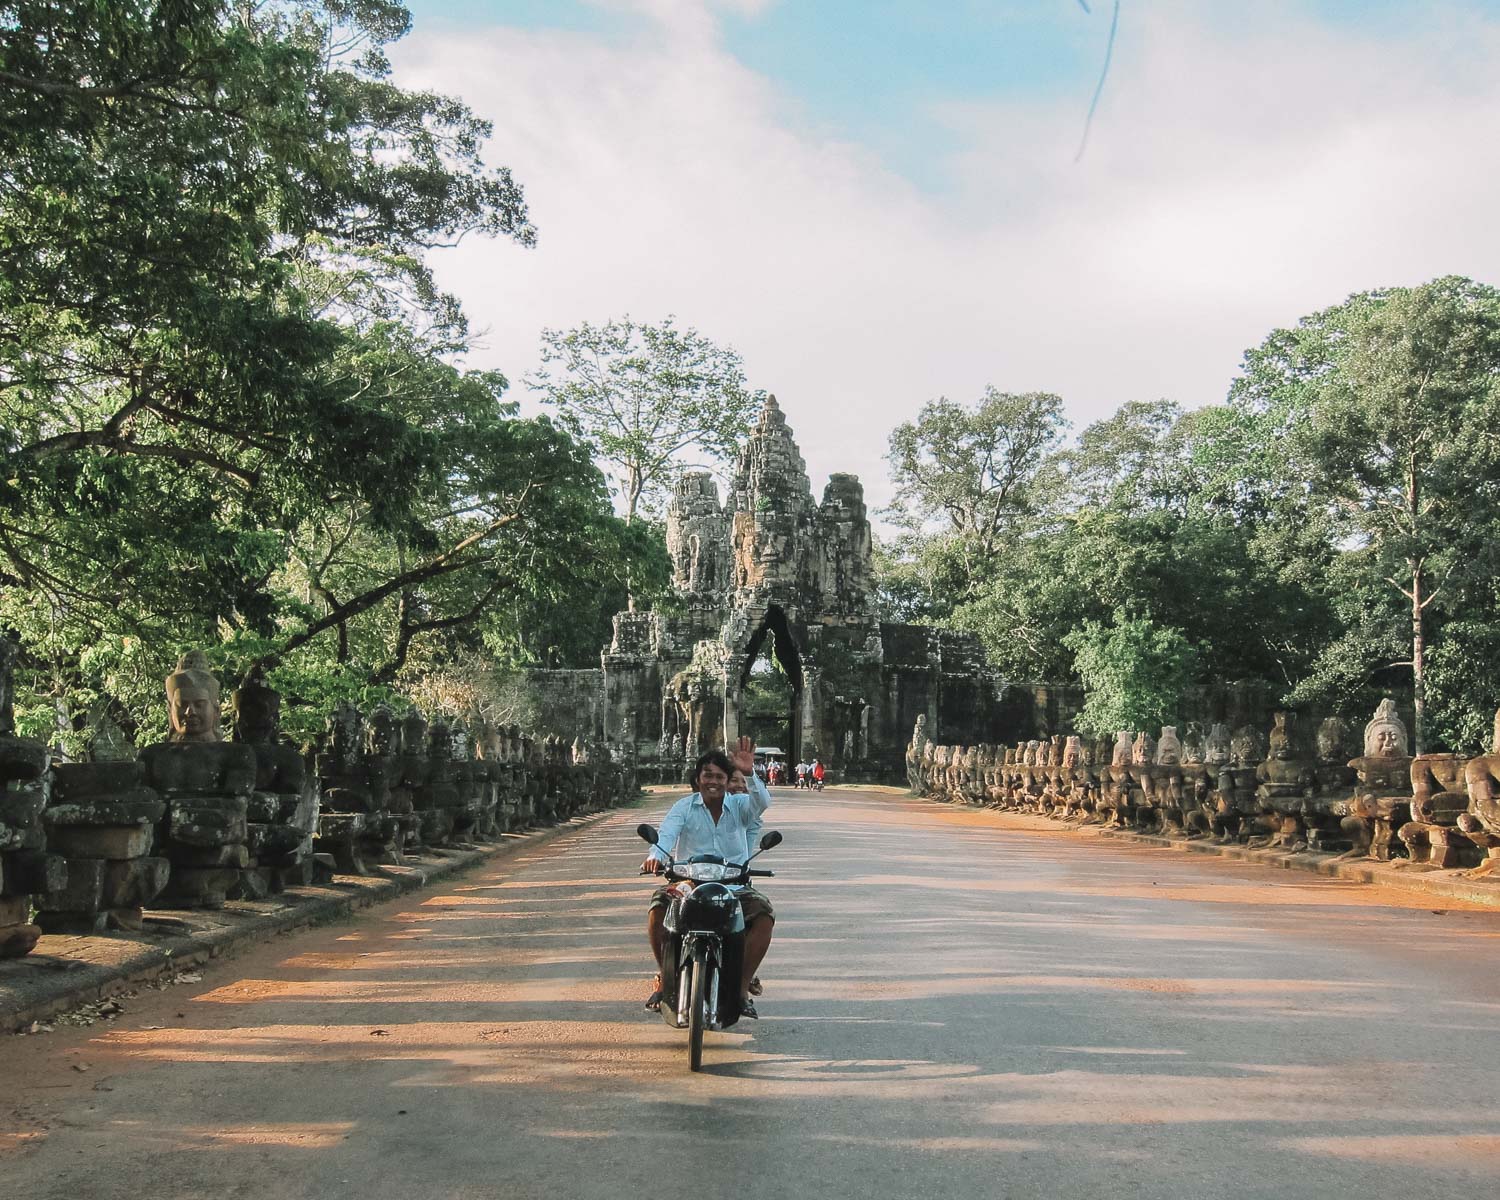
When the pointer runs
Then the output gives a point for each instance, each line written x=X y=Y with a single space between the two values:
x=977 y=475
x=200 y=201
x=650 y=399
x=1370 y=428
x=1133 y=670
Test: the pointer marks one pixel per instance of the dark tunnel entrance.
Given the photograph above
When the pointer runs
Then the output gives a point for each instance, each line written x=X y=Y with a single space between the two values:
x=771 y=687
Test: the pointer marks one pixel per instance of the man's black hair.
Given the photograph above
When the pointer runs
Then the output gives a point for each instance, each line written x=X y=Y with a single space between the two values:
x=715 y=757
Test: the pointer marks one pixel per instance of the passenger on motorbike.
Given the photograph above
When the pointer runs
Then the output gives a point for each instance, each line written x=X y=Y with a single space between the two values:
x=715 y=821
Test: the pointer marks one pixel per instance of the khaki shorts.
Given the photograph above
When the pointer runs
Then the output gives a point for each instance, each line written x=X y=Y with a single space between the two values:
x=752 y=904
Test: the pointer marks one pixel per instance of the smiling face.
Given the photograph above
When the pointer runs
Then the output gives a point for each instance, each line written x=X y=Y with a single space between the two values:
x=712 y=782
x=736 y=786
x=194 y=715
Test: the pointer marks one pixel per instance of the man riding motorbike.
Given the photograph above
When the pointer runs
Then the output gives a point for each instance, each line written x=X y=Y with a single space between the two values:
x=713 y=820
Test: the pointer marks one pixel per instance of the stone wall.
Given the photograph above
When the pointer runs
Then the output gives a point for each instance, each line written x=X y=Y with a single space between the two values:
x=568 y=704
x=200 y=820
x=1292 y=786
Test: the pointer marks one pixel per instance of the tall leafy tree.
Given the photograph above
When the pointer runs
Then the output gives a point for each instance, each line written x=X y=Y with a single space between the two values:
x=650 y=399
x=1371 y=424
x=199 y=199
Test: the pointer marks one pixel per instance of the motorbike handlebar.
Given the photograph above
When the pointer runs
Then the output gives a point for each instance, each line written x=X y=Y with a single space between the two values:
x=769 y=873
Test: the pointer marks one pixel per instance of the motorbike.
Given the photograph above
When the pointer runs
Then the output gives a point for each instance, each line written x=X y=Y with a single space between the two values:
x=704 y=948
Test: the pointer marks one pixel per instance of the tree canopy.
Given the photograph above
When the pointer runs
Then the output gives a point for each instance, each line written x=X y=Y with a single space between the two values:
x=649 y=399
x=229 y=411
x=1330 y=530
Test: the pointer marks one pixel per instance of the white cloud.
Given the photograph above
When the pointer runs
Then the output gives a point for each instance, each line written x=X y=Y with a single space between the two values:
x=1237 y=177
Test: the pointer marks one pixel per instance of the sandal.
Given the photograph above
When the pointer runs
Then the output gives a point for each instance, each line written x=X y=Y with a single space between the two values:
x=653 y=1001
x=747 y=1008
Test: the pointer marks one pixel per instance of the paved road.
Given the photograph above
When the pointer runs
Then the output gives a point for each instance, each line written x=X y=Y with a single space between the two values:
x=956 y=1004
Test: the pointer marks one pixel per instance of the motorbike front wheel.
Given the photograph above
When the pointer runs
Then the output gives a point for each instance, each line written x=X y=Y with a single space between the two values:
x=698 y=1008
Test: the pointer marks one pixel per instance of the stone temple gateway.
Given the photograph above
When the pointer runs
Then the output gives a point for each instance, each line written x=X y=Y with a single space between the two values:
x=770 y=567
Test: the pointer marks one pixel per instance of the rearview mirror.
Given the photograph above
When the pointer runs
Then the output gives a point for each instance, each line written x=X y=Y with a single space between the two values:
x=647 y=833
x=773 y=838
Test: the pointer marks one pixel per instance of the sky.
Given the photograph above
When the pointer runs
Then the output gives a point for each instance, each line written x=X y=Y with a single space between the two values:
x=879 y=203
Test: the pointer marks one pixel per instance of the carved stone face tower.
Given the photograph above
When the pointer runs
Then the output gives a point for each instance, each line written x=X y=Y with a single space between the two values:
x=773 y=568
x=773 y=511
x=698 y=540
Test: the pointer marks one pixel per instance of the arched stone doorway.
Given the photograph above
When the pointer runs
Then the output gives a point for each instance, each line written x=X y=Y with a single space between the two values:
x=770 y=686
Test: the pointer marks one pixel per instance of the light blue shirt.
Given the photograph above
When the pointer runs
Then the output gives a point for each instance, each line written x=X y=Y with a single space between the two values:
x=689 y=829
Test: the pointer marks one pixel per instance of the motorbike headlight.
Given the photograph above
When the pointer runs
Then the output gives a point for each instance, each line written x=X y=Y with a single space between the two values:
x=705 y=872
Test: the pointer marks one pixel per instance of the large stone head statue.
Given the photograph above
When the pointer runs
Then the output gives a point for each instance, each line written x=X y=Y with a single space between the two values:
x=1216 y=747
x=341 y=734
x=1281 y=736
x=1072 y=751
x=193 y=700
x=257 y=711
x=1333 y=738
x=382 y=733
x=1169 y=748
x=1121 y=755
x=414 y=734
x=1385 y=735
x=1192 y=744
x=439 y=741
x=1246 y=747
x=1143 y=749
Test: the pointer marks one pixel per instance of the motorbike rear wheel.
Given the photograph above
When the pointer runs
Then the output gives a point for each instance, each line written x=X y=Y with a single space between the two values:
x=698 y=1008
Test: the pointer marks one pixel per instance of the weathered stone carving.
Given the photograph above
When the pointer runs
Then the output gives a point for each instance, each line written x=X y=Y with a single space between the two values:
x=25 y=867
x=1285 y=781
x=1323 y=808
x=193 y=700
x=206 y=783
x=1381 y=803
x=282 y=816
x=1439 y=795
x=1481 y=823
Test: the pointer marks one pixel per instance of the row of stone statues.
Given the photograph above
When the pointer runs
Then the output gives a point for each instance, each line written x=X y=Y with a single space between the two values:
x=1282 y=790
x=197 y=820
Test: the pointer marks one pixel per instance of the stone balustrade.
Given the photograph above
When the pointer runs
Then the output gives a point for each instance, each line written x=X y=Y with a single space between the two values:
x=198 y=821
x=1283 y=790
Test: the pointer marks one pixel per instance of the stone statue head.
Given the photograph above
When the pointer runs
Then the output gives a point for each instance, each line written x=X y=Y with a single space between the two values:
x=1192 y=744
x=193 y=700
x=382 y=733
x=257 y=711
x=439 y=740
x=1087 y=752
x=1121 y=754
x=1216 y=746
x=1029 y=759
x=1169 y=748
x=109 y=743
x=414 y=733
x=1333 y=737
x=1246 y=747
x=1281 y=736
x=1385 y=735
x=1072 y=751
x=1143 y=750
